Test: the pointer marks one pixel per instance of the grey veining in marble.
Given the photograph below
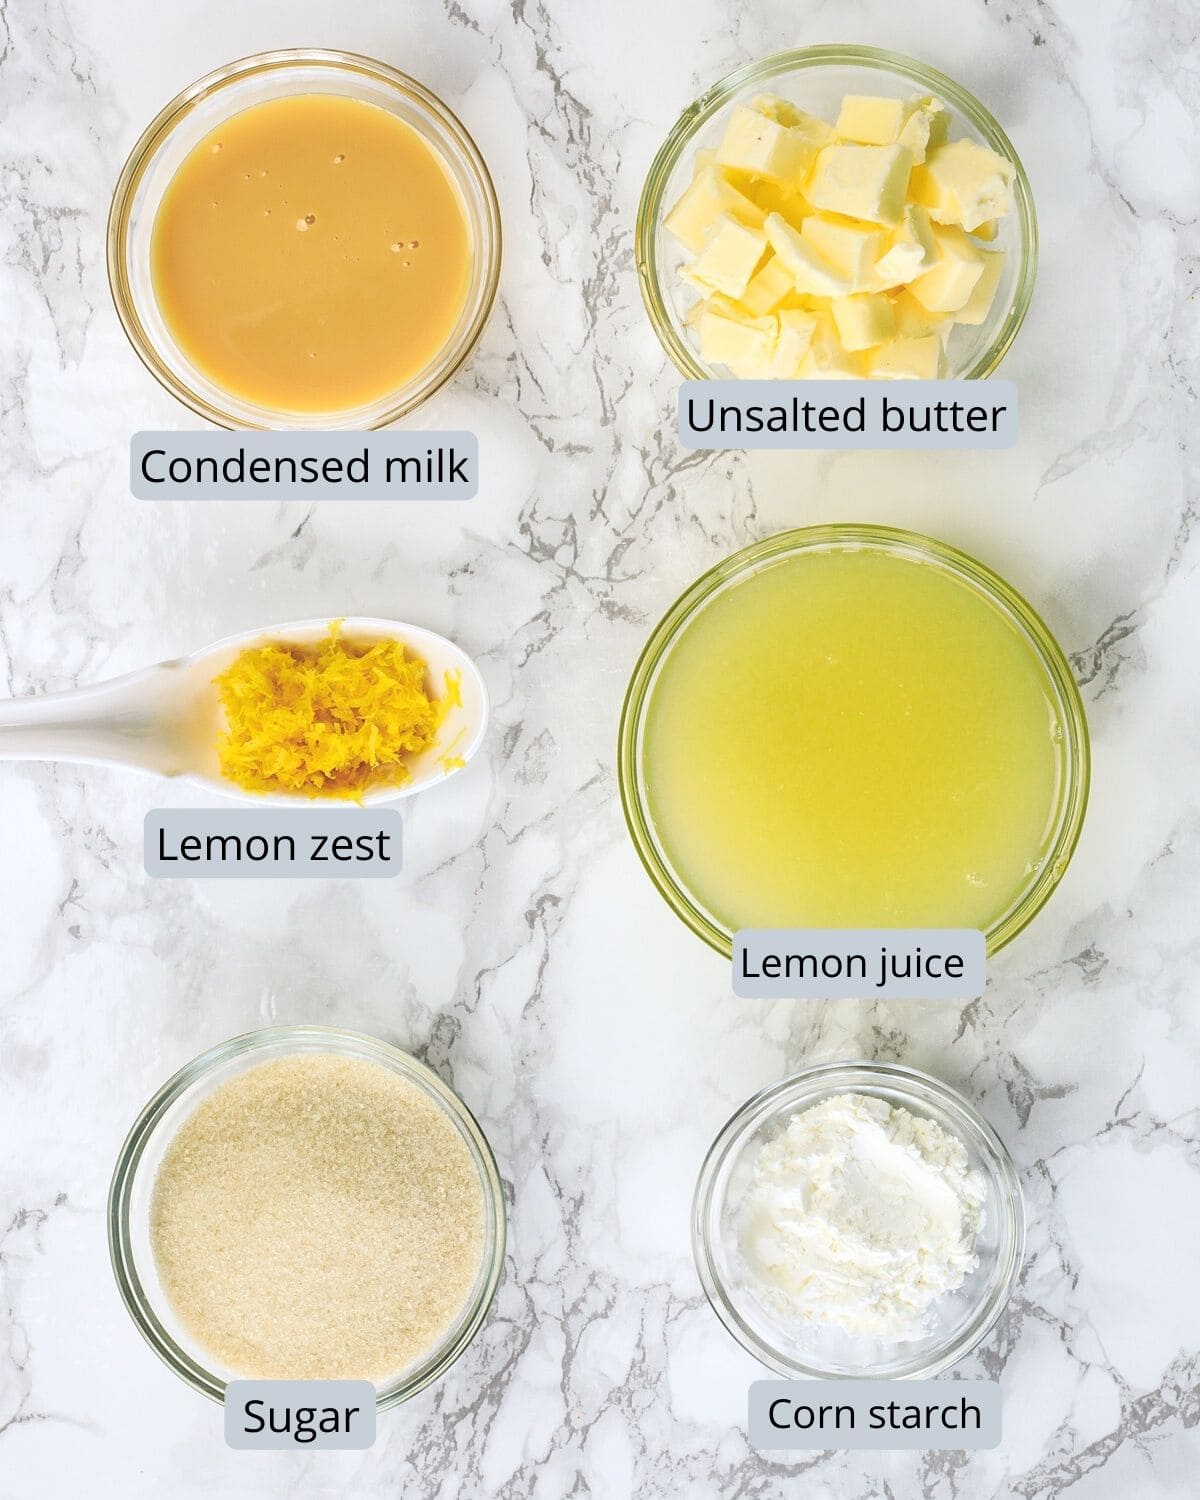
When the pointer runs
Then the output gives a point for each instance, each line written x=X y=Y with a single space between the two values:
x=523 y=953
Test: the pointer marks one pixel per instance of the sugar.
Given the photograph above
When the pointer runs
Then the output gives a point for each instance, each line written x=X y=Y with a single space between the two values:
x=317 y=1217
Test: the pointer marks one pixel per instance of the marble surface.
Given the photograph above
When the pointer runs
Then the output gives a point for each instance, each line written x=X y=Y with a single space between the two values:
x=523 y=953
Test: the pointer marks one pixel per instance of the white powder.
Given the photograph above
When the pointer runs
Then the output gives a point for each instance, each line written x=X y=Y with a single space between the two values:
x=860 y=1216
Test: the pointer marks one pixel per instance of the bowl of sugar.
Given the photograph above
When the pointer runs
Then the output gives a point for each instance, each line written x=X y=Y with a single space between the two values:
x=305 y=1203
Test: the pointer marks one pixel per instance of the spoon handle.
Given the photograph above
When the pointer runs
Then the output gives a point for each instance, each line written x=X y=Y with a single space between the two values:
x=119 y=722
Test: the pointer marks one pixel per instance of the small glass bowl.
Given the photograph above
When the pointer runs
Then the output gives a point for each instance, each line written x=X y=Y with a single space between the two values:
x=172 y=134
x=959 y=1320
x=1074 y=750
x=137 y=1167
x=816 y=78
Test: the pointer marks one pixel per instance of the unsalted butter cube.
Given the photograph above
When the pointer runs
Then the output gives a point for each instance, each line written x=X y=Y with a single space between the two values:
x=964 y=183
x=727 y=337
x=863 y=321
x=983 y=294
x=863 y=182
x=796 y=329
x=709 y=196
x=850 y=246
x=812 y=131
x=959 y=266
x=916 y=322
x=927 y=125
x=730 y=256
x=806 y=301
x=776 y=198
x=811 y=273
x=910 y=251
x=908 y=359
x=871 y=121
x=767 y=288
x=826 y=359
x=757 y=144
x=786 y=113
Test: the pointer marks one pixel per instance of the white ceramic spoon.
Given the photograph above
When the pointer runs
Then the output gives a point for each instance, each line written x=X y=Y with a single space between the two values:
x=165 y=719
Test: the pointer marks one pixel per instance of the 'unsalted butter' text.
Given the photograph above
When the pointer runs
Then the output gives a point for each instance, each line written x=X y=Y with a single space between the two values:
x=719 y=414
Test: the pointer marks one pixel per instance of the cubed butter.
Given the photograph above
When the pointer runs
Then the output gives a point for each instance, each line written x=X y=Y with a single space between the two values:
x=927 y=125
x=757 y=144
x=767 y=288
x=709 y=196
x=840 y=252
x=786 y=113
x=730 y=256
x=810 y=129
x=983 y=294
x=806 y=302
x=959 y=266
x=775 y=198
x=811 y=273
x=728 y=338
x=916 y=322
x=907 y=359
x=850 y=246
x=963 y=183
x=796 y=329
x=910 y=251
x=870 y=120
x=826 y=359
x=863 y=182
x=863 y=321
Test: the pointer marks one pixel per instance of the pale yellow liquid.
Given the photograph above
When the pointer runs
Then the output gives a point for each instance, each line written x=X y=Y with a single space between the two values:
x=853 y=739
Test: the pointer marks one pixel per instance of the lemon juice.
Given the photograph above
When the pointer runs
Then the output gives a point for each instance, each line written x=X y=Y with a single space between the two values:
x=854 y=736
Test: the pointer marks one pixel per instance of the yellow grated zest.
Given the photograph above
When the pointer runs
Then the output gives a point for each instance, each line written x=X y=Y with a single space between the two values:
x=449 y=760
x=333 y=719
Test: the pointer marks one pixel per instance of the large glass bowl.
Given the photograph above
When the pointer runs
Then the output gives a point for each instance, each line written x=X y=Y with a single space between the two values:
x=959 y=1320
x=1072 y=749
x=137 y=1167
x=816 y=78
x=189 y=117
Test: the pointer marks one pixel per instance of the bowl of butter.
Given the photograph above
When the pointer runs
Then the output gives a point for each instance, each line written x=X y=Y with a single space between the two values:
x=837 y=213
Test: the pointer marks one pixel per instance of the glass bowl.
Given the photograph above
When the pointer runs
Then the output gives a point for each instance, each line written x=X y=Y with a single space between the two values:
x=959 y=1320
x=172 y=134
x=137 y=1167
x=816 y=78
x=1073 y=748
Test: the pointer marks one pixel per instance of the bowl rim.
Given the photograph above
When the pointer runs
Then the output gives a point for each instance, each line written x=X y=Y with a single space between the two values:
x=1073 y=796
x=801 y=59
x=387 y=409
x=312 y=1038
x=809 y=1085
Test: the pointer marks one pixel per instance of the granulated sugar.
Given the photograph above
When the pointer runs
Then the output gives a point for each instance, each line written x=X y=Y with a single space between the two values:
x=317 y=1217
